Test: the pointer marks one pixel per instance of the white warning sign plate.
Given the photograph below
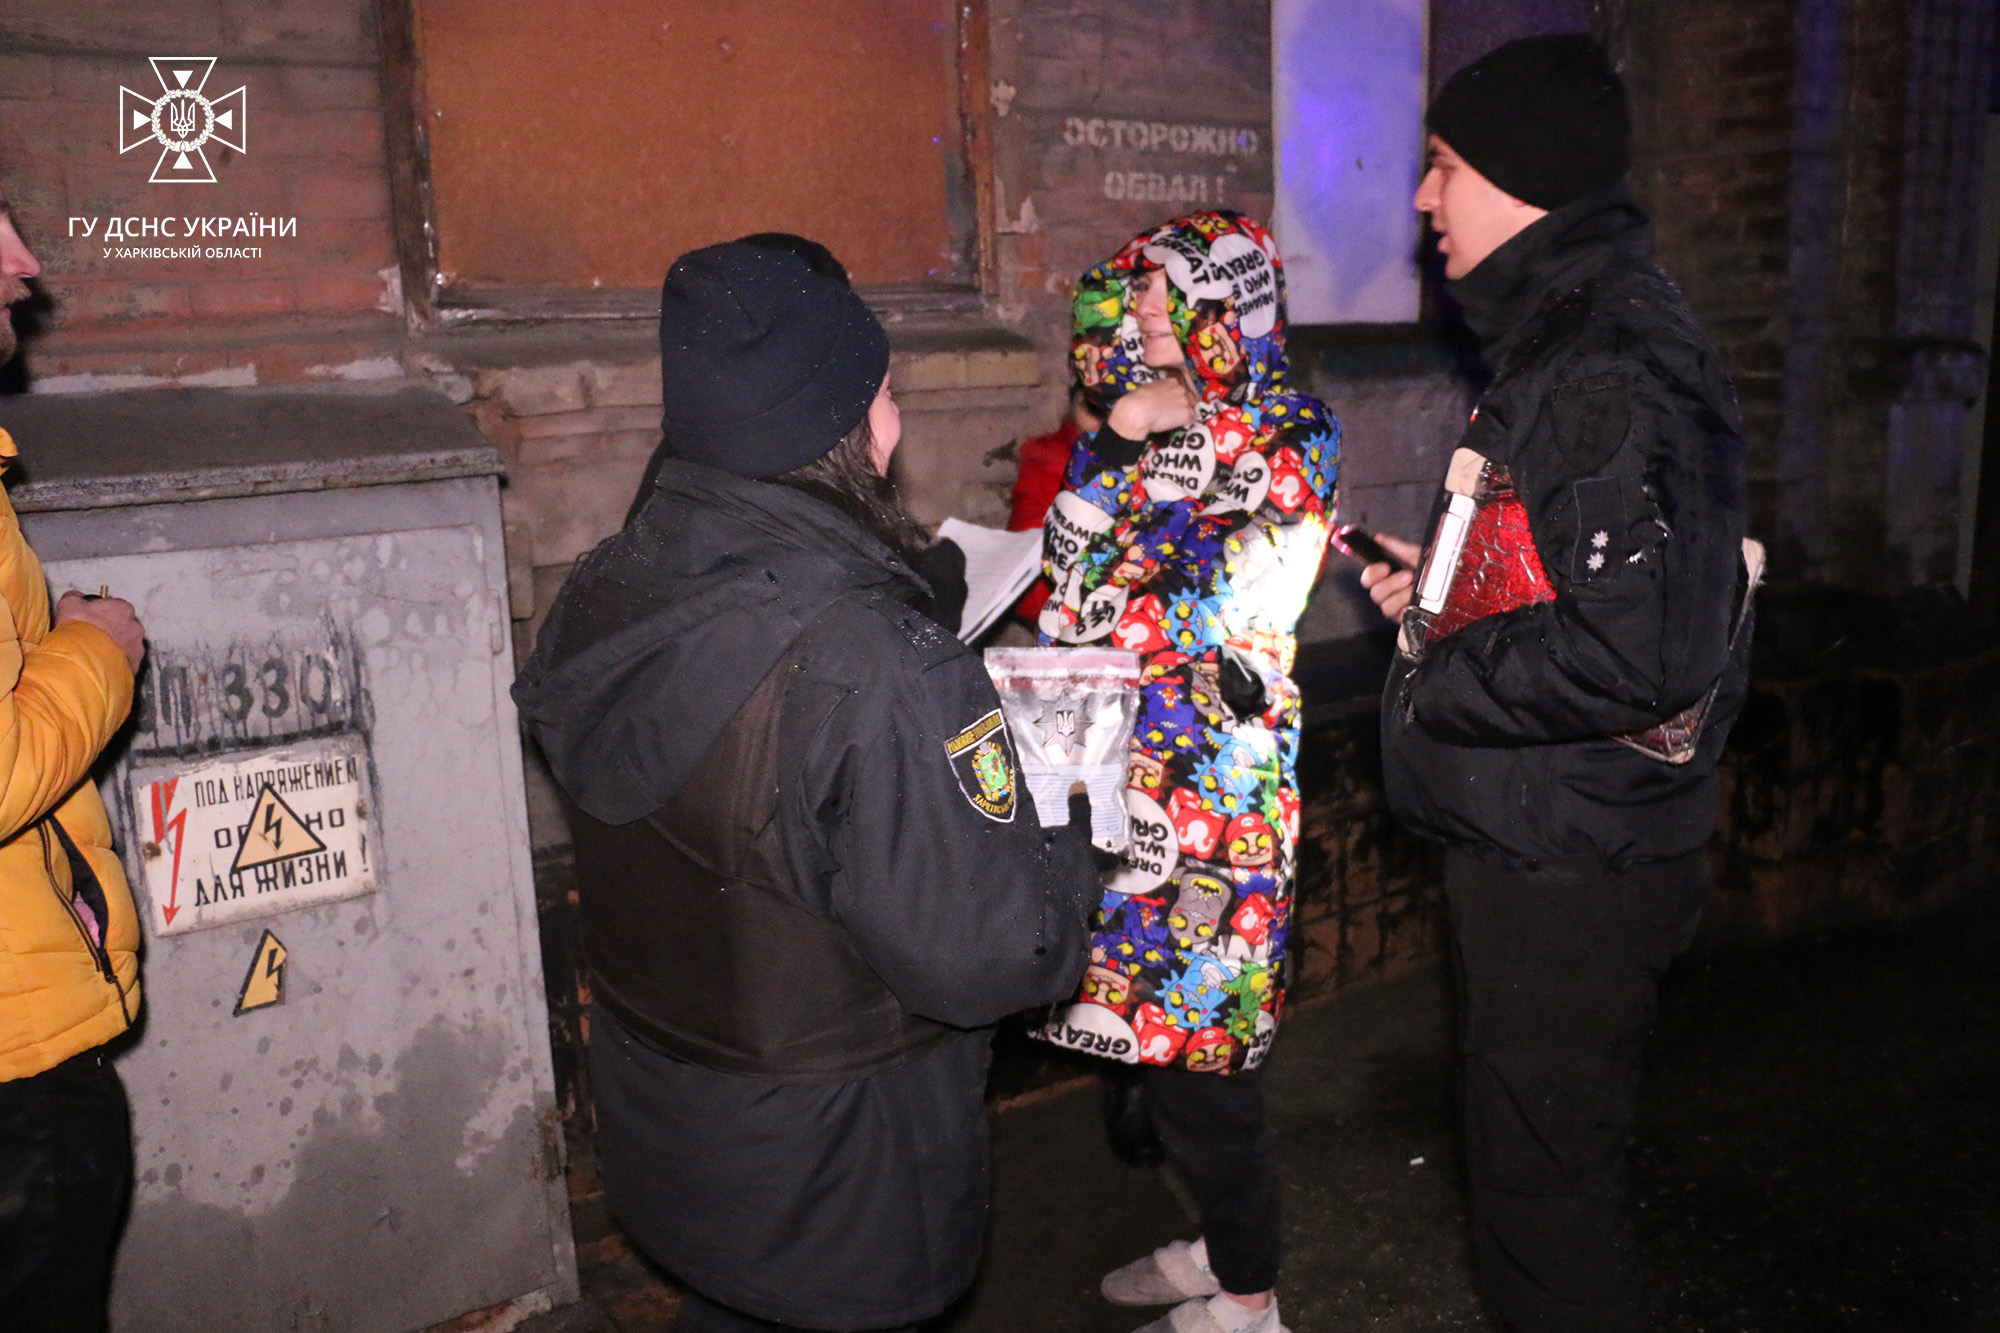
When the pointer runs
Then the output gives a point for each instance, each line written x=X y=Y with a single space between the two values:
x=254 y=832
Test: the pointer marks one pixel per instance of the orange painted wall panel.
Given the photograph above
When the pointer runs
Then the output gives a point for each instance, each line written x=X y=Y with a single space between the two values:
x=586 y=145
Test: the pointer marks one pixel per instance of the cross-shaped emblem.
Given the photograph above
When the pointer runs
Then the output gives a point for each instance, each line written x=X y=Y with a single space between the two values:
x=181 y=120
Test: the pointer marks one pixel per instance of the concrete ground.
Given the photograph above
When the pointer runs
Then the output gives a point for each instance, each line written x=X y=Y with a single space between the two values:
x=1818 y=1149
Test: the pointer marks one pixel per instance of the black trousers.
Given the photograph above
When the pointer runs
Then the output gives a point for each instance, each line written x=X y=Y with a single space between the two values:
x=1559 y=977
x=65 y=1173
x=1218 y=1136
x=702 y=1315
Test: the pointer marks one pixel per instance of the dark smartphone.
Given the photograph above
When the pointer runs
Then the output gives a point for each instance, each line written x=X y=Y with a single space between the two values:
x=1354 y=541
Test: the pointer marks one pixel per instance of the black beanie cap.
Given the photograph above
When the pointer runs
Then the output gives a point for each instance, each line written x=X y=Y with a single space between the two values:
x=818 y=258
x=766 y=363
x=1543 y=118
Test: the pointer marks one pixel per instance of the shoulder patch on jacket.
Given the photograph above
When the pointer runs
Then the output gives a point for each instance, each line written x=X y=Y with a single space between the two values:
x=1591 y=418
x=982 y=759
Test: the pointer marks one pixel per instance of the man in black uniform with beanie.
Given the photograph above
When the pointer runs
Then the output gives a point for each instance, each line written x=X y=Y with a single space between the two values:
x=1574 y=648
x=808 y=872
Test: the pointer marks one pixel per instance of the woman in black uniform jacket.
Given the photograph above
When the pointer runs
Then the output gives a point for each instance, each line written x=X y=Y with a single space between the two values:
x=808 y=873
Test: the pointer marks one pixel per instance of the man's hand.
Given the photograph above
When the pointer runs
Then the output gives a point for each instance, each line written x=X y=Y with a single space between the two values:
x=113 y=615
x=1389 y=586
x=1165 y=404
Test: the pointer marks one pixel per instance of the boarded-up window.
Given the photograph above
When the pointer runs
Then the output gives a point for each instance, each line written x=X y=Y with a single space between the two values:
x=585 y=145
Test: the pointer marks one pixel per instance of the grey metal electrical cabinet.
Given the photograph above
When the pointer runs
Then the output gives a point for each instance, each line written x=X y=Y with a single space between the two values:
x=342 y=1100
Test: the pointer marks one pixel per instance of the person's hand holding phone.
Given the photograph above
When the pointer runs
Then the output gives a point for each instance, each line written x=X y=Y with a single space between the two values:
x=1391 y=584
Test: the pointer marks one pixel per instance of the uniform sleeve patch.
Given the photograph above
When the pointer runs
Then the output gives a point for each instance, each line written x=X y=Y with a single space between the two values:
x=983 y=762
x=1592 y=418
x=1602 y=540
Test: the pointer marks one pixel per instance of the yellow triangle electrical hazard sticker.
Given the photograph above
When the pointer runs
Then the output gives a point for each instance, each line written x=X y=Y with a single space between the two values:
x=274 y=833
x=264 y=984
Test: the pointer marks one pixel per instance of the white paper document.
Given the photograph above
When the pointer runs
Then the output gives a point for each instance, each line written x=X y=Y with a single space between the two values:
x=999 y=566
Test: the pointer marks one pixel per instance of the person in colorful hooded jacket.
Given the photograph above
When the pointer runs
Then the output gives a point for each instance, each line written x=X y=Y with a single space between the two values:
x=1190 y=529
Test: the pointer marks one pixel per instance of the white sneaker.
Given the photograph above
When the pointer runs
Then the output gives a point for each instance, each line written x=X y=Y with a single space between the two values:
x=1216 y=1314
x=1170 y=1274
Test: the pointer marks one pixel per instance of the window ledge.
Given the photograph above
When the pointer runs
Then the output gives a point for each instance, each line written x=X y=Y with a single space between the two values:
x=937 y=351
x=931 y=349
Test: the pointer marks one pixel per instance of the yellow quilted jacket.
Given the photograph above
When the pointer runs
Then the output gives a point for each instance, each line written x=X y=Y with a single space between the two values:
x=63 y=692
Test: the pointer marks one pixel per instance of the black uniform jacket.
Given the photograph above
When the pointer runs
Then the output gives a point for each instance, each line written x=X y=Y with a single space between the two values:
x=1619 y=426
x=850 y=1198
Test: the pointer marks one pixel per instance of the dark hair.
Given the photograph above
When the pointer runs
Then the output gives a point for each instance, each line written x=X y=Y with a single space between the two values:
x=845 y=477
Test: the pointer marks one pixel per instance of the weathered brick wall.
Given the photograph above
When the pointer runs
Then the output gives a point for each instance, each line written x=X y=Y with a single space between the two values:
x=311 y=306
x=1712 y=166
x=1398 y=427
x=1859 y=797
x=1464 y=30
x=1863 y=779
x=1370 y=902
x=1812 y=169
x=576 y=435
x=1079 y=88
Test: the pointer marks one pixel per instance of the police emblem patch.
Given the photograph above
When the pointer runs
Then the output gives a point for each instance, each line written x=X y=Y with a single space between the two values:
x=983 y=763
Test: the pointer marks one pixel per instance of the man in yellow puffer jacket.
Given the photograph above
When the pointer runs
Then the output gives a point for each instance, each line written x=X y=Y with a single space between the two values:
x=69 y=965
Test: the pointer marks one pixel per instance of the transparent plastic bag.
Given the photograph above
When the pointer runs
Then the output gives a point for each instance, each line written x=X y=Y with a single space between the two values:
x=1070 y=712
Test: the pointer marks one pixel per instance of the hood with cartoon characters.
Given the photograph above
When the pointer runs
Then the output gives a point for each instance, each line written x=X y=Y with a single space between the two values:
x=1197 y=552
x=1225 y=296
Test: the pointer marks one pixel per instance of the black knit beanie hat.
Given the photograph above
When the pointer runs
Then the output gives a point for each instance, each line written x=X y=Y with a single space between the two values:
x=1543 y=118
x=765 y=364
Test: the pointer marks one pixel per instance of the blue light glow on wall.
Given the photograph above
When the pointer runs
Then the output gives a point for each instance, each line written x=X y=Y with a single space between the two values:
x=1348 y=88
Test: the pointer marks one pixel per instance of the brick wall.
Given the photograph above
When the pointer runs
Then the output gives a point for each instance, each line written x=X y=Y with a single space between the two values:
x=1862 y=780
x=1464 y=30
x=310 y=306
x=1714 y=133
x=1812 y=169
x=1064 y=202
x=1370 y=901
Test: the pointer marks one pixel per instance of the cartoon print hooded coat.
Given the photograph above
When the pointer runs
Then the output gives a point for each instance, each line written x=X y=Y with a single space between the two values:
x=1198 y=554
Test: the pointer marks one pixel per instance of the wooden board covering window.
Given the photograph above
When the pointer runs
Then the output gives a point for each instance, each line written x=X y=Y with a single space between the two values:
x=584 y=145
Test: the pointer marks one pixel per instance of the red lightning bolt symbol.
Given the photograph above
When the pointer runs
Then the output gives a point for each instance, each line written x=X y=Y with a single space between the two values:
x=163 y=801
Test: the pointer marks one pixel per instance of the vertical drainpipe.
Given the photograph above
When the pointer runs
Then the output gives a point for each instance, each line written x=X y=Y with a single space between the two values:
x=1803 y=545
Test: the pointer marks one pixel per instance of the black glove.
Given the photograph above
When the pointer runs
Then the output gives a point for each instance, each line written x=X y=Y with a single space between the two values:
x=1079 y=823
x=943 y=567
x=1242 y=688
